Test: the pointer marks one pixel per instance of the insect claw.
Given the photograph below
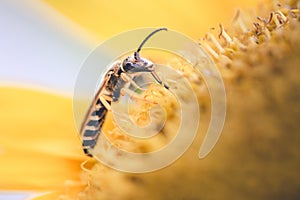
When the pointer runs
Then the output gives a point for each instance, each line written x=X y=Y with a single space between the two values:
x=166 y=86
x=156 y=77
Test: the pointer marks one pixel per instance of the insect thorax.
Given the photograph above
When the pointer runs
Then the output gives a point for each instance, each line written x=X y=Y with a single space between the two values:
x=113 y=82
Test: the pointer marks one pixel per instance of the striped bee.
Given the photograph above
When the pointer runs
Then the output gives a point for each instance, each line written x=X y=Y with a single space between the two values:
x=117 y=80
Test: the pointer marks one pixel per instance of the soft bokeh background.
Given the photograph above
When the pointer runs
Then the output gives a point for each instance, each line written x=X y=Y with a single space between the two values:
x=43 y=44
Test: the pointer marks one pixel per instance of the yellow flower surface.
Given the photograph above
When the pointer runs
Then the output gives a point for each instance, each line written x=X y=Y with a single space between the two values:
x=191 y=17
x=39 y=146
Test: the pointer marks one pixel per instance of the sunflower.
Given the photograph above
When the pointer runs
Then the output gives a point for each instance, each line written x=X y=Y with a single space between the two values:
x=40 y=150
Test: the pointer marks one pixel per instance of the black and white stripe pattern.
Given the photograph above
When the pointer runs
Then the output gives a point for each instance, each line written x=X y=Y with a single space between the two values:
x=91 y=130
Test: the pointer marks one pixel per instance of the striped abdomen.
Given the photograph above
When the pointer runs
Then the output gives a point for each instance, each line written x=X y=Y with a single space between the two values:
x=91 y=128
x=95 y=117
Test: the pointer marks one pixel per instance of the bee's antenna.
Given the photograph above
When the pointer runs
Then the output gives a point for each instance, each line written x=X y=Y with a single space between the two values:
x=136 y=54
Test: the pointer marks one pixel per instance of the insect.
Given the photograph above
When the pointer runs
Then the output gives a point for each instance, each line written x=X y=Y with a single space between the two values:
x=116 y=80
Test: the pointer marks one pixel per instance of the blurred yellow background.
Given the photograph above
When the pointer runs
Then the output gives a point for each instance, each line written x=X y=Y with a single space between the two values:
x=192 y=17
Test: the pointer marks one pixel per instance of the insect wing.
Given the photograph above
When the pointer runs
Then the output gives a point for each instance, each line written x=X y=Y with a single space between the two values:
x=93 y=121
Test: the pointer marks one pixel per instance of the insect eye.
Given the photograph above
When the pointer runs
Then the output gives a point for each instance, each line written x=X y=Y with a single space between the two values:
x=128 y=66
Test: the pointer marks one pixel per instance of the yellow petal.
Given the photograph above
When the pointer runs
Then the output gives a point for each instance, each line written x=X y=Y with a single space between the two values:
x=106 y=18
x=49 y=196
x=39 y=145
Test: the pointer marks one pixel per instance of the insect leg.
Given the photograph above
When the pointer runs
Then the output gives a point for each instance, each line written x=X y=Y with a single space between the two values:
x=126 y=78
x=156 y=77
x=135 y=95
x=104 y=99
